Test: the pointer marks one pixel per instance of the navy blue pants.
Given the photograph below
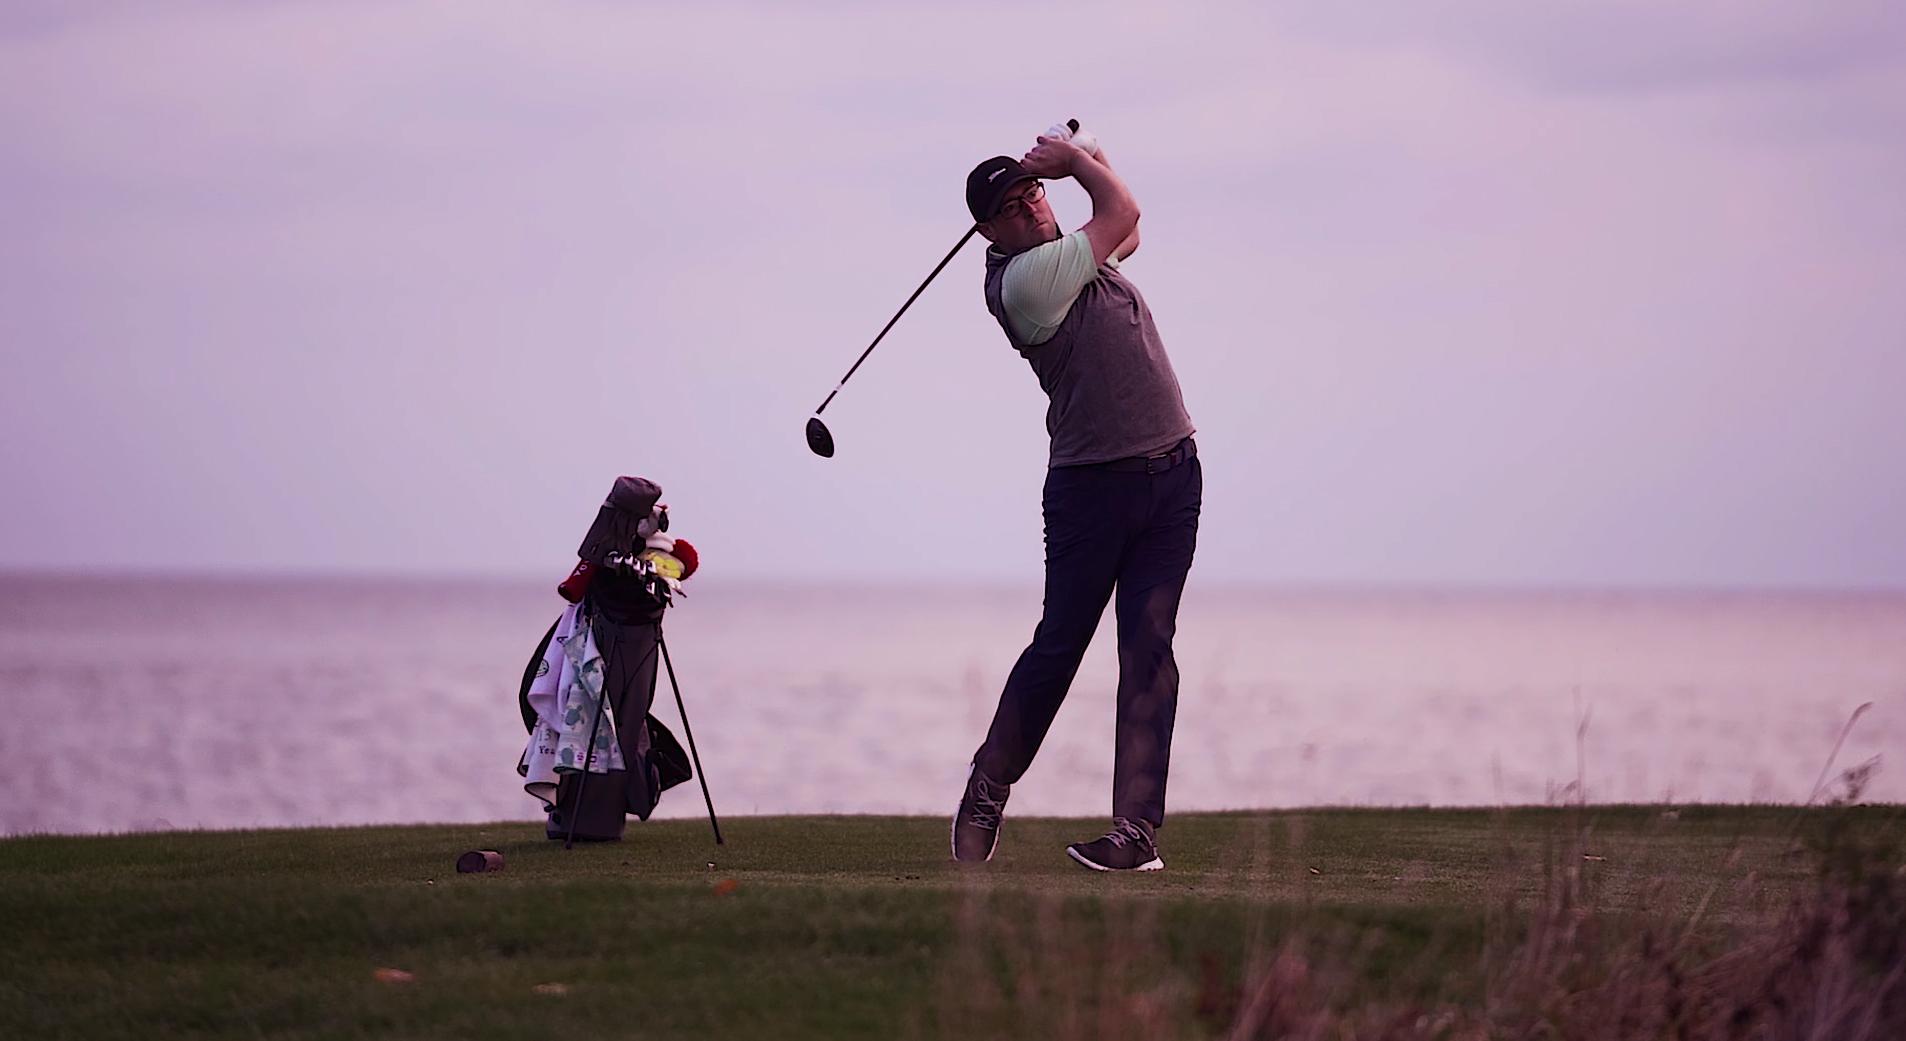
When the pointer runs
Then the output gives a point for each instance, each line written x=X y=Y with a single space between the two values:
x=1107 y=532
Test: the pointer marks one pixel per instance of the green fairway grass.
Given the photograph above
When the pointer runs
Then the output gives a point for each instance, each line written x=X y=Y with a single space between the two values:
x=825 y=927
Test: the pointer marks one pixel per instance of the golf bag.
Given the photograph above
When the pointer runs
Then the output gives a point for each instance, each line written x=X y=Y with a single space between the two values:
x=587 y=692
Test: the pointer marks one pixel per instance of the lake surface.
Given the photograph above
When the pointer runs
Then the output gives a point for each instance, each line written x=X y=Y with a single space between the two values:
x=146 y=703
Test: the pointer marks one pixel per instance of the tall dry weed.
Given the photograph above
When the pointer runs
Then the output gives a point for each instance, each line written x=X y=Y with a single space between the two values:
x=1830 y=964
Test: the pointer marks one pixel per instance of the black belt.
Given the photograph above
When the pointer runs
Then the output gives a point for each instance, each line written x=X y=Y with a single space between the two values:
x=1182 y=453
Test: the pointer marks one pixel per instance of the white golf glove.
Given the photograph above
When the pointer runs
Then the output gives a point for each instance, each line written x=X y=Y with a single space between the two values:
x=1081 y=137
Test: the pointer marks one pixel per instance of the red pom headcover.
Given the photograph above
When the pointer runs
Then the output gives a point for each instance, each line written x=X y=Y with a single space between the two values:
x=690 y=559
x=576 y=585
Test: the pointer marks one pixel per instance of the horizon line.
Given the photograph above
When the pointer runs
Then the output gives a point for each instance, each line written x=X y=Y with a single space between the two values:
x=785 y=580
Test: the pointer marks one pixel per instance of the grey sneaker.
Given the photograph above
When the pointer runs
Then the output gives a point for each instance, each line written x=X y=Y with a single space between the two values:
x=976 y=823
x=1129 y=846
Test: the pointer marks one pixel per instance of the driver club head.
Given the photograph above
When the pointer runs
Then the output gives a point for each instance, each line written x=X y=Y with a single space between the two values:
x=819 y=439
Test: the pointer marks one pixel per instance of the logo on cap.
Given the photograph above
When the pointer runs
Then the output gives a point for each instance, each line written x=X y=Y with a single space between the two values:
x=991 y=177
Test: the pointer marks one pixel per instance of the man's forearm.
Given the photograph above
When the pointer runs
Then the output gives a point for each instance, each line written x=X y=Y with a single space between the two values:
x=1129 y=245
x=1114 y=210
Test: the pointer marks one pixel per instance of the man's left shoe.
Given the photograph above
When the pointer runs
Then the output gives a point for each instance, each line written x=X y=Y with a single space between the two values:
x=1131 y=845
x=976 y=822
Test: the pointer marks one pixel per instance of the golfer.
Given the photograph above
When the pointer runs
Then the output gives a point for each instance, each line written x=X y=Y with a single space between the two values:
x=1122 y=493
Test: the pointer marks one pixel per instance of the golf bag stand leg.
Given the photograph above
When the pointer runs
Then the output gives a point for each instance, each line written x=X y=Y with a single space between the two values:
x=689 y=732
x=575 y=807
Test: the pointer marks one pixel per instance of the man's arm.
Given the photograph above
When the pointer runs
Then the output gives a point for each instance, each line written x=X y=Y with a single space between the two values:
x=1040 y=285
x=1114 y=211
x=1130 y=245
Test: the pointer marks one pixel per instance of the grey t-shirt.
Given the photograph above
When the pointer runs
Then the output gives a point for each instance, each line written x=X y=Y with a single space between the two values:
x=1090 y=339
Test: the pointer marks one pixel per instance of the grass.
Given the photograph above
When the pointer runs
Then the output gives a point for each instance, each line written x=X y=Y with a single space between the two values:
x=851 y=927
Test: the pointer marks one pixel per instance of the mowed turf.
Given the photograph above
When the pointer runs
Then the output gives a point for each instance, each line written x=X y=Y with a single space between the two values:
x=813 y=926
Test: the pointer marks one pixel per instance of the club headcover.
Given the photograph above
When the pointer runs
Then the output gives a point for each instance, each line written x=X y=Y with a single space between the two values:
x=626 y=519
x=576 y=586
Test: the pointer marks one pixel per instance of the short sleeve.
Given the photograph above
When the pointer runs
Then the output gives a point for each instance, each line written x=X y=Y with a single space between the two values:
x=1040 y=284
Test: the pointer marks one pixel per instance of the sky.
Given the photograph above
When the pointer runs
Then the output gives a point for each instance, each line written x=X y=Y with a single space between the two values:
x=1475 y=293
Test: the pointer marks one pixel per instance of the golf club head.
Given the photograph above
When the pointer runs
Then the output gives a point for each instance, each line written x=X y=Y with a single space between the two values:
x=819 y=439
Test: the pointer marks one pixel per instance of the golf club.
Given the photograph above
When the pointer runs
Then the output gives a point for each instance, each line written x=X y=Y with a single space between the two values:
x=818 y=437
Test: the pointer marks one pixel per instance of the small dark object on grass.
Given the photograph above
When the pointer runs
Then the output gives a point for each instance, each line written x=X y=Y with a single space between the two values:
x=478 y=861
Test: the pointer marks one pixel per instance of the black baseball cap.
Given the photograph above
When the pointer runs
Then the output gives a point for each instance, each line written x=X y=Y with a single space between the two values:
x=988 y=184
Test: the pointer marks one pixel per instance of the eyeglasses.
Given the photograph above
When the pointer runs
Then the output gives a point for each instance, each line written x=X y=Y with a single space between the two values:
x=1019 y=205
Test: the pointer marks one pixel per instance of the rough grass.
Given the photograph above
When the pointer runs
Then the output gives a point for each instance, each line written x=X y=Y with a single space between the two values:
x=1300 y=924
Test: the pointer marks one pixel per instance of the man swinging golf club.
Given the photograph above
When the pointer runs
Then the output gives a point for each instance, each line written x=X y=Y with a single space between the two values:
x=1122 y=493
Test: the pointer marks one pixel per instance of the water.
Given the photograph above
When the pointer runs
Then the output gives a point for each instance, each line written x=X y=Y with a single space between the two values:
x=143 y=704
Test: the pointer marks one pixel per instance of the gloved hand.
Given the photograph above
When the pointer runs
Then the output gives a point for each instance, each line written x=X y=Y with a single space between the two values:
x=1081 y=137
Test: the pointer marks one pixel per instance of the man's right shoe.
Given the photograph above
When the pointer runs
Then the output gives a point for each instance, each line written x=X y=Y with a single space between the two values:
x=976 y=824
x=1131 y=845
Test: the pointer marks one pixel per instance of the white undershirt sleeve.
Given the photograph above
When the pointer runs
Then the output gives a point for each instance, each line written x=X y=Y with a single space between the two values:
x=1040 y=284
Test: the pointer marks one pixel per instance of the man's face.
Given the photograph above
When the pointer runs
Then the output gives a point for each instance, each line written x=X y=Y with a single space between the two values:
x=1024 y=220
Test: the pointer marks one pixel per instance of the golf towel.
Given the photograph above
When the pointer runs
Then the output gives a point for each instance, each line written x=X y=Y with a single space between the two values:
x=566 y=695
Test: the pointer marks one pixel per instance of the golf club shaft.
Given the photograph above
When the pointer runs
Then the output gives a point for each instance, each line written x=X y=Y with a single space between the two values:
x=896 y=317
x=689 y=732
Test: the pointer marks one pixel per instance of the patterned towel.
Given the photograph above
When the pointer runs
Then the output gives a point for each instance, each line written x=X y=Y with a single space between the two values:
x=566 y=694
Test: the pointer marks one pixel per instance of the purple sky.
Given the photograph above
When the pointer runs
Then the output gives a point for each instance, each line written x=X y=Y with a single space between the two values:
x=1494 y=293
